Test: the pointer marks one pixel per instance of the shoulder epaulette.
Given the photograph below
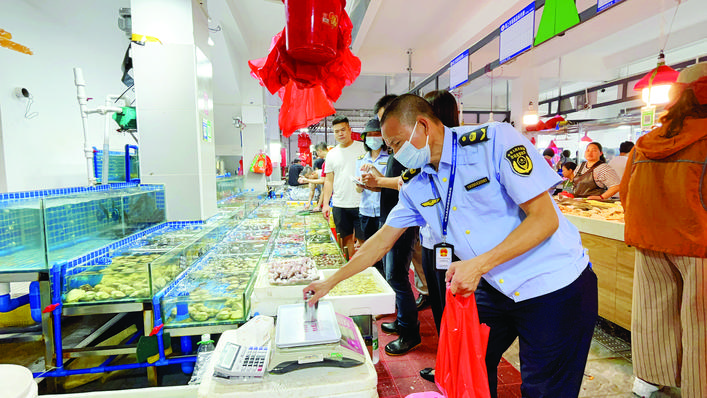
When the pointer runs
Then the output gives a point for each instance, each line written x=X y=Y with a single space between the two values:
x=474 y=136
x=362 y=156
x=409 y=174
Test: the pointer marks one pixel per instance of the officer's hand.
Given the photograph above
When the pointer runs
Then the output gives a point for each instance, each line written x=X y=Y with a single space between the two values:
x=400 y=184
x=319 y=288
x=370 y=180
x=369 y=168
x=463 y=276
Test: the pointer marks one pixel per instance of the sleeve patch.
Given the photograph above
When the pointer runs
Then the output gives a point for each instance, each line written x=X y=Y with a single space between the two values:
x=431 y=202
x=474 y=137
x=409 y=174
x=476 y=183
x=520 y=160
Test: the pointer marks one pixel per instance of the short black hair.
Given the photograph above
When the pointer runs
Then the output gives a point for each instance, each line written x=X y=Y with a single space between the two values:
x=548 y=152
x=570 y=165
x=297 y=160
x=322 y=146
x=340 y=119
x=383 y=102
x=407 y=107
x=566 y=153
x=626 y=147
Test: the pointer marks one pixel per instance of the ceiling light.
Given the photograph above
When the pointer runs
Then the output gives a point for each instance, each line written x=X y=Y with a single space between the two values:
x=530 y=117
x=655 y=85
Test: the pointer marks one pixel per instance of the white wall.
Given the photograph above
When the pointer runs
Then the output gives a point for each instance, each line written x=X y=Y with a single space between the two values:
x=47 y=151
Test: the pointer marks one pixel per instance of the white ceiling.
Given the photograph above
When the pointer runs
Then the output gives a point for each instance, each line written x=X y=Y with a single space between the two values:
x=438 y=30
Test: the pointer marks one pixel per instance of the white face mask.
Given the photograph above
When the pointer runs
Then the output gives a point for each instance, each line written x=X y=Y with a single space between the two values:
x=374 y=142
x=411 y=157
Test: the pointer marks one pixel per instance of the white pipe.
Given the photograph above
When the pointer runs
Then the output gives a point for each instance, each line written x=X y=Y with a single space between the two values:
x=81 y=96
x=106 y=146
x=106 y=112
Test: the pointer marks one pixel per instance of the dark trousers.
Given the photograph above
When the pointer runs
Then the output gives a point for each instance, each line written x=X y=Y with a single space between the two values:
x=397 y=273
x=369 y=226
x=436 y=286
x=555 y=331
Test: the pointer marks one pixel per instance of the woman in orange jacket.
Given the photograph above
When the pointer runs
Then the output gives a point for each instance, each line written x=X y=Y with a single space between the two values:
x=664 y=193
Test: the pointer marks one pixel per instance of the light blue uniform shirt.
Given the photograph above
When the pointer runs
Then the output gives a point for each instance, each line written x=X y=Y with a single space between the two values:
x=370 y=205
x=495 y=174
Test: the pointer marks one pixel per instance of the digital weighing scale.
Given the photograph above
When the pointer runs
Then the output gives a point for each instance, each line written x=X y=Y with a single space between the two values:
x=330 y=340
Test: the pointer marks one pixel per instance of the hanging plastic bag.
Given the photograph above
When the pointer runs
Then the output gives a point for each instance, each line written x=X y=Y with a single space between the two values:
x=461 y=354
x=268 y=166
x=259 y=164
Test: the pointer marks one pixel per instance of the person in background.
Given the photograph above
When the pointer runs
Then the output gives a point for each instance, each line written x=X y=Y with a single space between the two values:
x=568 y=173
x=595 y=179
x=294 y=172
x=397 y=259
x=376 y=157
x=564 y=157
x=664 y=192
x=618 y=163
x=529 y=273
x=548 y=154
x=340 y=169
x=311 y=176
x=322 y=149
x=446 y=109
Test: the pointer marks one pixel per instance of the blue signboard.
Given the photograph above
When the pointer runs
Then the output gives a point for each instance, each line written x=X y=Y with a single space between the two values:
x=604 y=4
x=459 y=70
x=517 y=34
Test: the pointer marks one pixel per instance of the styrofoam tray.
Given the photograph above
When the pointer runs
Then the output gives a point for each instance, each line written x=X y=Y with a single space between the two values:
x=267 y=298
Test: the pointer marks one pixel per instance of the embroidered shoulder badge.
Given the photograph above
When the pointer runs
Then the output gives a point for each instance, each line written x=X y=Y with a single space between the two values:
x=474 y=137
x=409 y=174
x=362 y=156
x=430 y=202
x=520 y=160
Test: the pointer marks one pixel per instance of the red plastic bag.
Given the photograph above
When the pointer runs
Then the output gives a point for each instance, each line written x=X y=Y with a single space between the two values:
x=268 y=166
x=461 y=367
x=308 y=90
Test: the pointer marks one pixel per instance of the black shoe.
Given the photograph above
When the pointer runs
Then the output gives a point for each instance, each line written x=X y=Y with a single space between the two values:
x=402 y=345
x=428 y=374
x=422 y=301
x=390 y=327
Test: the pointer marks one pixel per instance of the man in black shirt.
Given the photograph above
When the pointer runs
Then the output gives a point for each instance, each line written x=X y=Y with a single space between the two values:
x=294 y=172
x=322 y=150
x=397 y=260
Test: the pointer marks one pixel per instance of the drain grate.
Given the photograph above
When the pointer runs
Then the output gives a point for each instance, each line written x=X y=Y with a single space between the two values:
x=615 y=344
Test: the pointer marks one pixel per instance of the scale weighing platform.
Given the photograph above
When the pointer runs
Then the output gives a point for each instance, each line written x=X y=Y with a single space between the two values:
x=328 y=341
x=337 y=366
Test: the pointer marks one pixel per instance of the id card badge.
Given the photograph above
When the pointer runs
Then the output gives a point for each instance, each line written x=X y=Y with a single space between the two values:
x=444 y=252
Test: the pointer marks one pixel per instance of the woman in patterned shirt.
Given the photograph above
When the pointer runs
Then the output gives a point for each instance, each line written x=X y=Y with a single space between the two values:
x=595 y=179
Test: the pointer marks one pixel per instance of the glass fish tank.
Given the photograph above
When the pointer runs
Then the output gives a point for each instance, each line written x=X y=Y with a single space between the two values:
x=77 y=224
x=21 y=236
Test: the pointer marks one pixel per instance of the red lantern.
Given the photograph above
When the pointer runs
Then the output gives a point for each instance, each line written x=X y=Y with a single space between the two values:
x=312 y=29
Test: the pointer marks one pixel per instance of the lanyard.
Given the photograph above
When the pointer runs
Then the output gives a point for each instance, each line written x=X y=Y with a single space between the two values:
x=445 y=219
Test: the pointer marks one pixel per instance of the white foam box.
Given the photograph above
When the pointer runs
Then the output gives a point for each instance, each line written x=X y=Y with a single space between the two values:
x=267 y=298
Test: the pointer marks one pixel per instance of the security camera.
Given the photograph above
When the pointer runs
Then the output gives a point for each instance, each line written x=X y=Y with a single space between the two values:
x=21 y=92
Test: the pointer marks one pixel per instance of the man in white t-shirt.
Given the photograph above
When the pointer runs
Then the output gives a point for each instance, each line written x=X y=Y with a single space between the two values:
x=340 y=169
x=618 y=163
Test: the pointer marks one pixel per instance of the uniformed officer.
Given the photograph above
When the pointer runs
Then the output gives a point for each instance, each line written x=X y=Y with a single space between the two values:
x=376 y=156
x=483 y=191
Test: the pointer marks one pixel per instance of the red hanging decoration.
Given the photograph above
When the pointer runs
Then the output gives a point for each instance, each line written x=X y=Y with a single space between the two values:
x=301 y=67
